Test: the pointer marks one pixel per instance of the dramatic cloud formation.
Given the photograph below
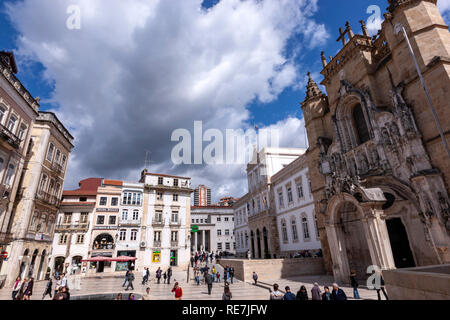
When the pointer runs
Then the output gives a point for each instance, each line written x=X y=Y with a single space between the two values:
x=137 y=70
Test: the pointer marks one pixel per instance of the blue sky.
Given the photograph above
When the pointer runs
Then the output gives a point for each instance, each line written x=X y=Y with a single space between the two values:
x=138 y=70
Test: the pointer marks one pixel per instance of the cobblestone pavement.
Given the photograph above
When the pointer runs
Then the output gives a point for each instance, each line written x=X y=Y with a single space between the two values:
x=191 y=291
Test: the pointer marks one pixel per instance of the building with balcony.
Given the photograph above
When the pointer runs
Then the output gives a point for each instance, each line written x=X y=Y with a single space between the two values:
x=73 y=230
x=37 y=202
x=165 y=237
x=18 y=112
x=130 y=223
x=202 y=196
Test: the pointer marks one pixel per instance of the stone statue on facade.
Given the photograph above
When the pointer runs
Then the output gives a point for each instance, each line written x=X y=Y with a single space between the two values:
x=445 y=209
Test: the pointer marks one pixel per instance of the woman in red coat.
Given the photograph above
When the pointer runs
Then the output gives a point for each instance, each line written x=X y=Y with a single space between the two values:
x=178 y=291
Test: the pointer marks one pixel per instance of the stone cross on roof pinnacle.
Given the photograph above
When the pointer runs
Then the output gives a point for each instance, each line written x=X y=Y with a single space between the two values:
x=312 y=90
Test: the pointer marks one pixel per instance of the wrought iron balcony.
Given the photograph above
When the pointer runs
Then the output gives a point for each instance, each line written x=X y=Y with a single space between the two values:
x=157 y=243
x=175 y=222
x=130 y=222
x=48 y=198
x=158 y=221
x=72 y=227
x=56 y=167
x=10 y=138
x=174 y=244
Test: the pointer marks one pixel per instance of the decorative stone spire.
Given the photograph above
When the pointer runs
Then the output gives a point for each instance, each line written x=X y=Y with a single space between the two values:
x=324 y=60
x=312 y=90
x=364 y=28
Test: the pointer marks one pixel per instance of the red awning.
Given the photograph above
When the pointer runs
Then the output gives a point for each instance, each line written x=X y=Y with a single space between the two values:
x=119 y=259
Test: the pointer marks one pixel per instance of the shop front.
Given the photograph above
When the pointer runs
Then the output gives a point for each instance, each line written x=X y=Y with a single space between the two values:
x=102 y=264
x=124 y=265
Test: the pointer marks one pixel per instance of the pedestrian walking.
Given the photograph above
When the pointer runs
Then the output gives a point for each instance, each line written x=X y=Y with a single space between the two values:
x=197 y=276
x=218 y=276
x=144 y=276
x=158 y=275
x=302 y=294
x=226 y=293
x=192 y=261
x=16 y=287
x=130 y=280
x=165 y=277
x=255 y=278
x=355 y=284
x=326 y=296
x=231 y=274
x=29 y=289
x=23 y=287
x=169 y=275
x=64 y=281
x=209 y=282
x=276 y=294
x=316 y=293
x=213 y=273
x=48 y=289
x=381 y=287
x=178 y=291
x=337 y=293
x=288 y=295
x=126 y=277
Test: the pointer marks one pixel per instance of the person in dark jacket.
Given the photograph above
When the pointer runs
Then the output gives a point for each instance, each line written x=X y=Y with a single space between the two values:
x=158 y=275
x=29 y=289
x=326 y=296
x=209 y=281
x=302 y=294
x=231 y=274
x=169 y=275
x=192 y=262
x=355 y=284
x=338 y=294
x=288 y=295
x=255 y=278
x=130 y=280
x=48 y=289
x=16 y=287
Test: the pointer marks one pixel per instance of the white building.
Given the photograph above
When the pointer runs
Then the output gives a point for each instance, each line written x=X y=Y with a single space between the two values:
x=241 y=226
x=294 y=207
x=130 y=221
x=74 y=226
x=215 y=229
x=258 y=212
x=166 y=224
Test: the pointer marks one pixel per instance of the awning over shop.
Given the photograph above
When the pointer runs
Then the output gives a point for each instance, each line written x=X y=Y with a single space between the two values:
x=118 y=259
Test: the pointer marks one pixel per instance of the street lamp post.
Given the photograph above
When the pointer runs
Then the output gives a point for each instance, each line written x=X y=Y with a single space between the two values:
x=400 y=28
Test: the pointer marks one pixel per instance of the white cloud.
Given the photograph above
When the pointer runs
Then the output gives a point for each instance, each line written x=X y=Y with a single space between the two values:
x=139 y=69
x=444 y=8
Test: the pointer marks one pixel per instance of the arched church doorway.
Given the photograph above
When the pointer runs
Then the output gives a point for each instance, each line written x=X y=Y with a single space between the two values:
x=353 y=239
x=398 y=237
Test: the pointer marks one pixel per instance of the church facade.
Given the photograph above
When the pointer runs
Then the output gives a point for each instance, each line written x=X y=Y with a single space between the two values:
x=379 y=170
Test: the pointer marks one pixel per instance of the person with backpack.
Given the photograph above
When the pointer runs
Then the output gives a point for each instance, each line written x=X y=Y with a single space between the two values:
x=130 y=280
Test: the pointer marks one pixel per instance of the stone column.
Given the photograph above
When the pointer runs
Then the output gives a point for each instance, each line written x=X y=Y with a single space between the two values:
x=377 y=235
x=203 y=239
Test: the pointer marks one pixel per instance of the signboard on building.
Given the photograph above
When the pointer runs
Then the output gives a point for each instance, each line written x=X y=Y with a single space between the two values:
x=156 y=256
x=194 y=228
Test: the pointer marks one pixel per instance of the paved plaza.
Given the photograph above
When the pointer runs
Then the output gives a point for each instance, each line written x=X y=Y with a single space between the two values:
x=191 y=291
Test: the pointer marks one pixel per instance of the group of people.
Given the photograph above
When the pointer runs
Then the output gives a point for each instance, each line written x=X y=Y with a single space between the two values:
x=23 y=289
x=336 y=293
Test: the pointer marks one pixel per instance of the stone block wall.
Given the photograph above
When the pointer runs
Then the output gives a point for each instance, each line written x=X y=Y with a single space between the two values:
x=272 y=269
x=422 y=283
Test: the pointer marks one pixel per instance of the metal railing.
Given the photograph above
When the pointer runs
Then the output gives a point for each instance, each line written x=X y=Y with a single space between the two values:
x=130 y=222
x=157 y=243
x=57 y=167
x=8 y=136
x=48 y=198
x=71 y=227
x=174 y=243
x=157 y=221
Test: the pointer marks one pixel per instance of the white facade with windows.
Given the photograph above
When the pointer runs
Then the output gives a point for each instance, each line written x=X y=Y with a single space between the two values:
x=130 y=220
x=294 y=207
x=166 y=238
x=215 y=229
x=241 y=230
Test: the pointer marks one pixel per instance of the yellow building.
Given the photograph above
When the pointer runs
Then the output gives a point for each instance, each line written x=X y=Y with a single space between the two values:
x=38 y=199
